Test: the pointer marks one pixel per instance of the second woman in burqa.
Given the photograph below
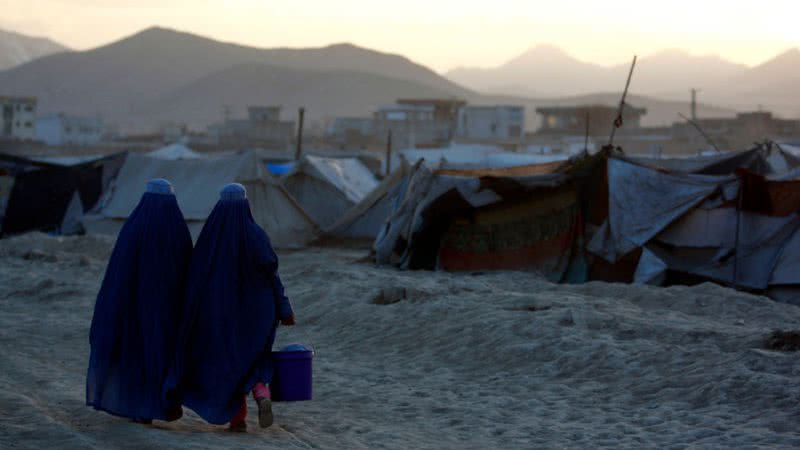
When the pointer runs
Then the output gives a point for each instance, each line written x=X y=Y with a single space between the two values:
x=234 y=303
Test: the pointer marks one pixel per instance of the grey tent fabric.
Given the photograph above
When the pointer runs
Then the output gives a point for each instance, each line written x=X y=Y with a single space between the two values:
x=763 y=160
x=752 y=261
x=651 y=269
x=197 y=183
x=788 y=263
x=643 y=202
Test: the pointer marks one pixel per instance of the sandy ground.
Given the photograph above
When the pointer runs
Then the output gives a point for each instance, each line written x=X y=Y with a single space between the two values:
x=429 y=360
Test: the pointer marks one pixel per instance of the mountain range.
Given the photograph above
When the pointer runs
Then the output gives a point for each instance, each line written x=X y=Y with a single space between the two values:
x=16 y=49
x=160 y=75
x=547 y=71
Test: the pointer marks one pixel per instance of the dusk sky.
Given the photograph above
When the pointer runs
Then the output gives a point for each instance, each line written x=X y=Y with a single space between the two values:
x=441 y=34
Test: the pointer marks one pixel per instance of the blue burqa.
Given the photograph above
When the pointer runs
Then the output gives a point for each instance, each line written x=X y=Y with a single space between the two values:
x=234 y=300
x=136 y=318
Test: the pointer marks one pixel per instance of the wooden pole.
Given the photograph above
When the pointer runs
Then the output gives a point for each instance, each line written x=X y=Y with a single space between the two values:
x=389 y=153
x=617 y=122
x=299 y=149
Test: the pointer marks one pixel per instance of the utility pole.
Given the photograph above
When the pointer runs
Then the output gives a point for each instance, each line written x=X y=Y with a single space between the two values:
x=226 y=113
x=586 y=136
x=299 y=149
x=693 y=114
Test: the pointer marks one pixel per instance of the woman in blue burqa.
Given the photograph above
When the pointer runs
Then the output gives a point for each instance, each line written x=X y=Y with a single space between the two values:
x=234 y=302
x=136 y=319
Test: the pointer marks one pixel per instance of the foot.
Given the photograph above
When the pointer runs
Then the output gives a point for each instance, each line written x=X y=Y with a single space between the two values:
x=238 y=427
x=174 y=413
x=265 y=417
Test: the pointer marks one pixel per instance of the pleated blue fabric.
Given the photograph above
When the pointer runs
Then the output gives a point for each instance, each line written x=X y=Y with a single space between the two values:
x=134 y=331
x=234 y=301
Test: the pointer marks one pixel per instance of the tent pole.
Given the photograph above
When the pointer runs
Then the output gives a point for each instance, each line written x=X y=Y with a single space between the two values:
x=618 y=121
x=736 y=240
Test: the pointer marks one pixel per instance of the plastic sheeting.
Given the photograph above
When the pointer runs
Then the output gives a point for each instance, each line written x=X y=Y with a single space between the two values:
x=234 y=299
x=137 y=313
x=348 y=175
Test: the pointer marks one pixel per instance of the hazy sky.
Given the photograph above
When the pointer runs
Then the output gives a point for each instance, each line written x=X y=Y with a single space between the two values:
x=441 y=34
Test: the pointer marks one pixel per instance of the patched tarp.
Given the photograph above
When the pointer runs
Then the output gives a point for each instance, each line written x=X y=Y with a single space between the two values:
x=453 y=222
x=644 y=201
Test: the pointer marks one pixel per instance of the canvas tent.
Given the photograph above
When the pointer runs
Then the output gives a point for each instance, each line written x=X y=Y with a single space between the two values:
x=174 y=152
x=54 y=198
x=328 y=187
x=197 y=183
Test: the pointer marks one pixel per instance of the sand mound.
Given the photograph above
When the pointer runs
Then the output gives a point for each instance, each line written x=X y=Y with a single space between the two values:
x=430 y=360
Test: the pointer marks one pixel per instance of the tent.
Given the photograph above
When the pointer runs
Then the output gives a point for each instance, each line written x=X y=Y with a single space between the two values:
x=364 y=220
x=197 y=183
x=174 y=152
x=519 y=218
x=765 y=159
x=473 y=157
x=53 y=198
x=740 y=230
x=328 y=187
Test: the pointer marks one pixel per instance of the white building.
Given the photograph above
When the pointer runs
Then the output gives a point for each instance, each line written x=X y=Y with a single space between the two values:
x=61 y=129
x=17 y=117
x=492 y=123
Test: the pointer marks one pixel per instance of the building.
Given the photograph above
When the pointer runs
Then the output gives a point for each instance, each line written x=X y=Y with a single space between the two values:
x=17 y=118
x=350 y=132
x=418 y=122
x=500 y=123
x=263 y=127
x=572 y=120
x=737 y=132
x=61 y=129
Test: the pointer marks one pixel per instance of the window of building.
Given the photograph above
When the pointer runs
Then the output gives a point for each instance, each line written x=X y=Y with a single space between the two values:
x=29 y=108
x=28 y=125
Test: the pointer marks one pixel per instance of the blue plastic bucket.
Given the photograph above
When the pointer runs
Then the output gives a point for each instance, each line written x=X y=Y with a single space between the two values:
x=291 y=376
